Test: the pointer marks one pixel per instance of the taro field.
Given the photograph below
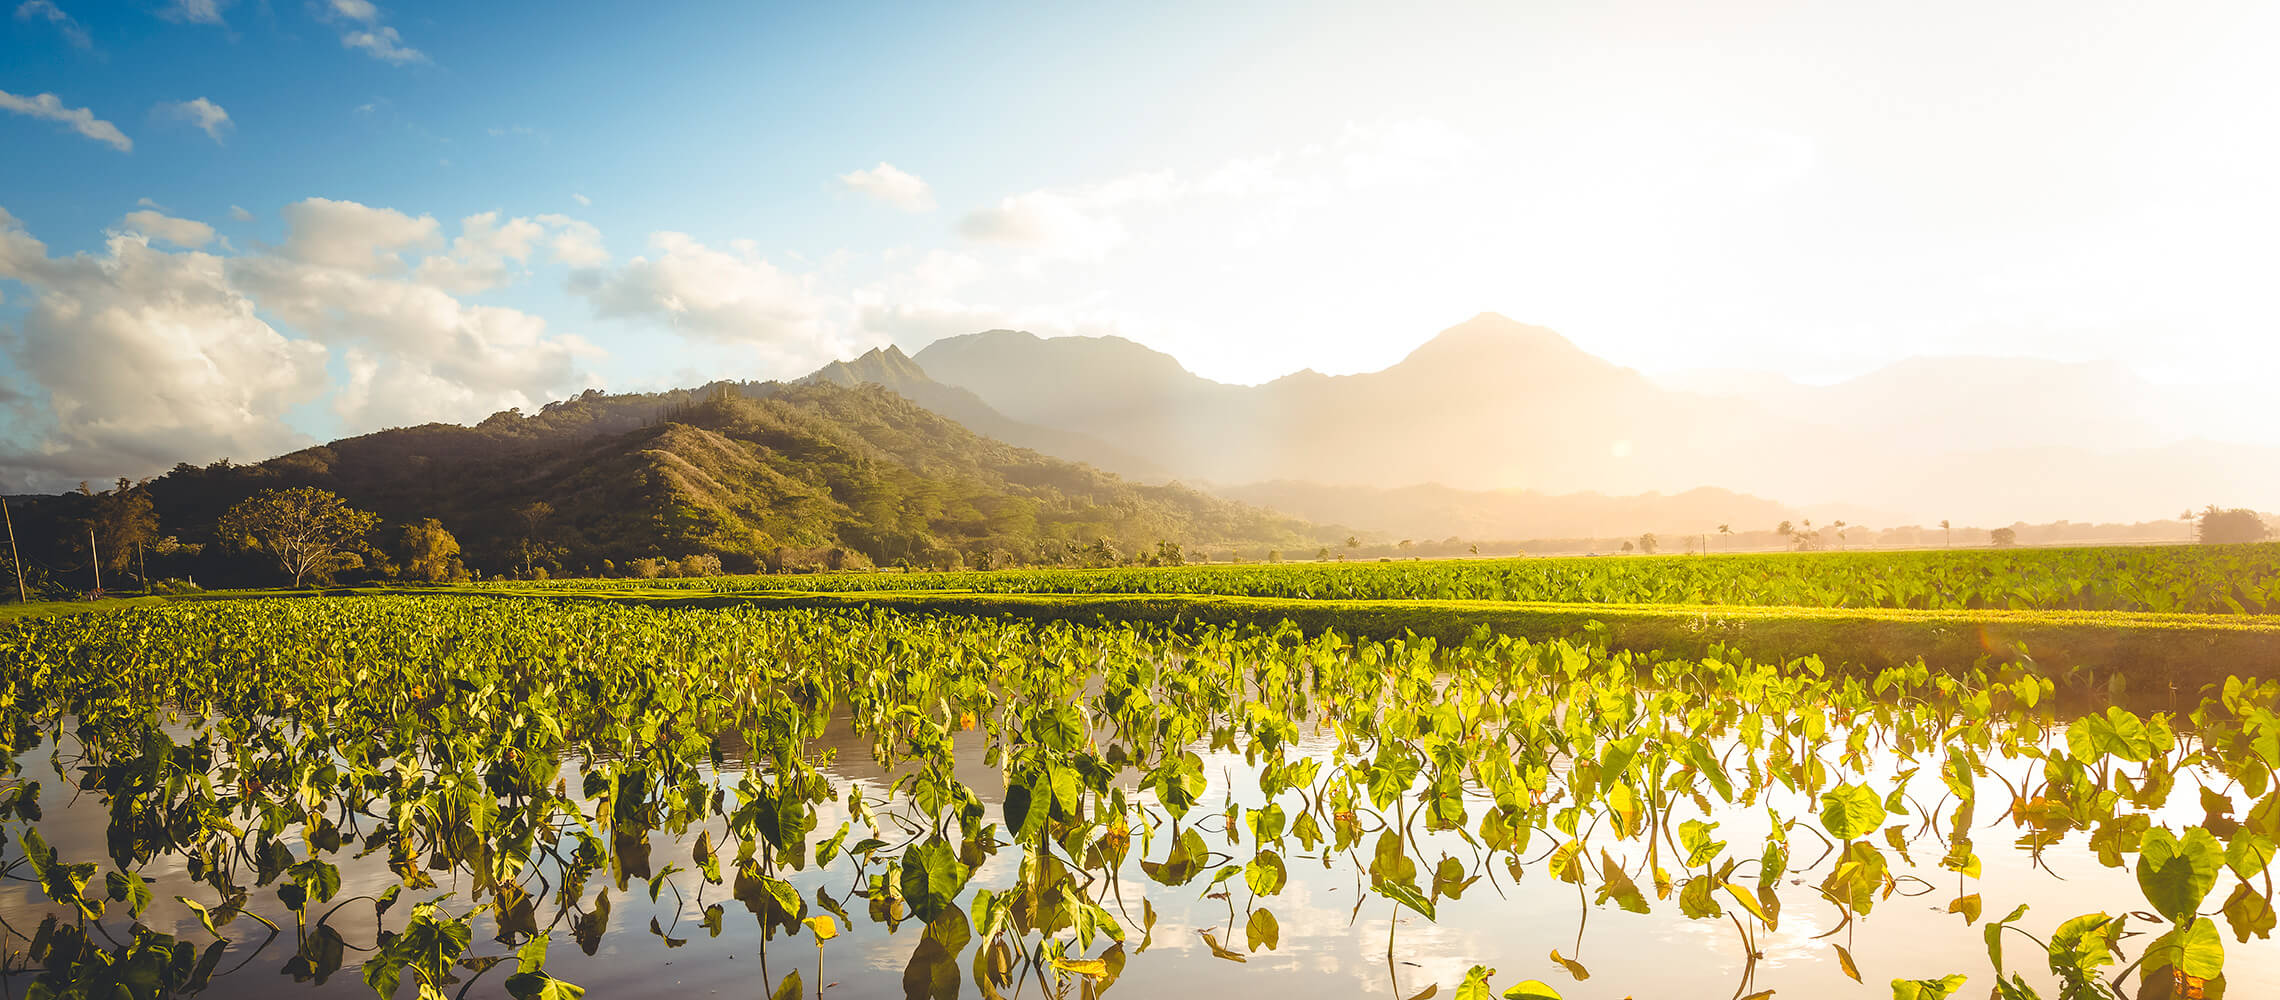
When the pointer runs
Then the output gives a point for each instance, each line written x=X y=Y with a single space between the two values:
x=471 y=796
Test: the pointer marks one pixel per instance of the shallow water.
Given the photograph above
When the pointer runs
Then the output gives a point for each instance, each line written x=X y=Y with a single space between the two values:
x=1339 y=929
x=1197 y=945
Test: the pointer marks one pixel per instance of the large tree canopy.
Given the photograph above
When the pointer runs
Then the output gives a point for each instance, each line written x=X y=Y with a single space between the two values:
x=308 y=530
x=2226 y=527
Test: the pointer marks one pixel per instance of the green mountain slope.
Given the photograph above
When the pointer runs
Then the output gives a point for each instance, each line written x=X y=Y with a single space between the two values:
x=891 y=368
x=750 y=472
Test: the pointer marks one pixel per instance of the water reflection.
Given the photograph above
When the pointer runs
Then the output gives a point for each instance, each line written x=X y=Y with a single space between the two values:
x=1174 y=868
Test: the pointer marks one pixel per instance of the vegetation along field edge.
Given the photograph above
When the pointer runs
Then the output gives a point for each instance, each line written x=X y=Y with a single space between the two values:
x=2148 y=650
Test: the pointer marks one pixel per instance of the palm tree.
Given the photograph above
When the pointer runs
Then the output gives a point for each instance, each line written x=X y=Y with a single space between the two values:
x=1725 y=529
x=1950 y=529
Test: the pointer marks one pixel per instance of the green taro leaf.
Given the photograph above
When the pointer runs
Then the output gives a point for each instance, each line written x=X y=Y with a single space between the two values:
x=1927 y=989
x=1850 y=812
x=932 y=878
x=2177 y=874
x=2194 y=949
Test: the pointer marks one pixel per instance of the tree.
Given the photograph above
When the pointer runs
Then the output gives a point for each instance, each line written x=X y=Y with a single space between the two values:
x=121 y=525
x=1950 y=529
x=1723 y=529
x=1353 y=542
x=532 y=515
x=307 y=530
x=1647 y=543
x=2230 y=527
x=430 y=553
x=1627 y=547
x=1784 y=529
x=2004 y=537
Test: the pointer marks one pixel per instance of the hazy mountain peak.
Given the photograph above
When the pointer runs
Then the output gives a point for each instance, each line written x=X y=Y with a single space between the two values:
x=1492 y=335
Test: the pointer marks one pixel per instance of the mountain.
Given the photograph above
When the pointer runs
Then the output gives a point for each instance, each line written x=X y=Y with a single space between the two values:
x=1489 y=404
x=1493 y=404
x=1433 y=511
x=891 y=368
x=752 y=473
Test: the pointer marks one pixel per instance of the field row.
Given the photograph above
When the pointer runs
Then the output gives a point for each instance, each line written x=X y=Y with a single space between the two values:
x=2217 y=579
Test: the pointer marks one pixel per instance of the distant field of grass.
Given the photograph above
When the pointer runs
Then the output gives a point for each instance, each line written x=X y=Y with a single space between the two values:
x=2226 y=579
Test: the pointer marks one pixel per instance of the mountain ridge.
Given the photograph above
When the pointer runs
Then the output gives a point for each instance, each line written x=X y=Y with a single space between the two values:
x=1495 y=404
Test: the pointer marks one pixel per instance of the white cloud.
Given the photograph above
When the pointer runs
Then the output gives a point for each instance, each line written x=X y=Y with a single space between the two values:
x=355 y=10
x=81 y=120
x=201 y=112
x=46 y=10
x=348 y=235
x=240 y=215
x=479 y=257
x=886 y=183
x=384 y=44
x=140 y=357
x=575 y=242
x=582 y=200
x=1078 y=222
x=718 y=295
x=424 y=354
x=195 y=11
x=413 y=350
x=189 y=234
x=361 y=29
x=146 y=358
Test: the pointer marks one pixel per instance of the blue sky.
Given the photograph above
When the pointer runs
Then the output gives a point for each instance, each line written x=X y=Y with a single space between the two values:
x=431 y=211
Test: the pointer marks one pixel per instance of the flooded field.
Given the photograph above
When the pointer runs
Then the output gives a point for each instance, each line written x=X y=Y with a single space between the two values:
x=465 y=796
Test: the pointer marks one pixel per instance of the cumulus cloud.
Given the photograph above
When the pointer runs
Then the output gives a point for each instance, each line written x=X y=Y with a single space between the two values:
x=582 y=200
x=1075 y=222
x=238 y=214
x=733 y=296
x=352 y=236
x=83 y=121
x=359 y=21
x=201 y=112
x=413 y=351
x=189 y=234
x=481 y=257
x=146 y=358
x=575 y=242
x=416 y=353
x=886 y=183
x=46 y=10
x=139 y=357
x=195 y=11
x=384 y=44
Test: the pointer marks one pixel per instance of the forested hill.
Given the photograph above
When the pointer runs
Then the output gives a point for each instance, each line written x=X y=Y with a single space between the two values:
x=755 y=473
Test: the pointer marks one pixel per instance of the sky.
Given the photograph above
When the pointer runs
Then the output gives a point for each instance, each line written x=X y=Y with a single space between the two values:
x=234 y=227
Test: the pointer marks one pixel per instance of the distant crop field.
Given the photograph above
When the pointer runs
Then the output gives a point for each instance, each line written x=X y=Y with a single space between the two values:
x=2215 y=579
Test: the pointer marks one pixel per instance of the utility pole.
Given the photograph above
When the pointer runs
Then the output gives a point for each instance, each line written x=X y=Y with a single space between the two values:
x=95 y=556
x=22 y=595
